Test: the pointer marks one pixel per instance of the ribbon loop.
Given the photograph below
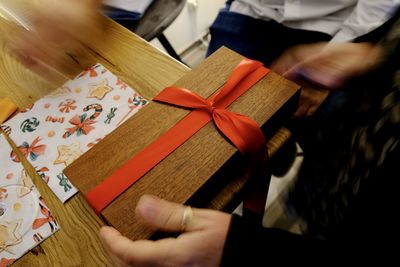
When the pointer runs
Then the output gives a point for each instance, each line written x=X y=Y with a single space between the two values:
x=182 y=97
x=243 y=132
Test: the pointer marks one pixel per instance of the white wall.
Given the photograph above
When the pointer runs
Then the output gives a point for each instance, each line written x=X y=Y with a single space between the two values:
x=193 y=22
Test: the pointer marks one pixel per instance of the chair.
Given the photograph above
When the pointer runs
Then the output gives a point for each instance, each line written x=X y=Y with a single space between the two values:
x=157 y=18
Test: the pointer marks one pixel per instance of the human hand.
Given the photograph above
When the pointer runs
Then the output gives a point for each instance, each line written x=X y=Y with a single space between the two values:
x=309 y=102
x=49 y=31
x=319 y=68
x=200 y=244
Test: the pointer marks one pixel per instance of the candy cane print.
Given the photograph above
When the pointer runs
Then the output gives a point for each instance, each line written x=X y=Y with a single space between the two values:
x=83 y=125
x=97 y=110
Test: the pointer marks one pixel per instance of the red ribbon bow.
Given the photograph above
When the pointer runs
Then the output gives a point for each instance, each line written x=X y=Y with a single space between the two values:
x=242 y=131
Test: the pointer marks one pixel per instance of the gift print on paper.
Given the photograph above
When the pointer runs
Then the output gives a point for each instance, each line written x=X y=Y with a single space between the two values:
x=121 y=84
x=32 y=151
x=110 y=115
x=82 y=124
x=134 y=103
x=68 y=153
x=48 y=218
x=100 y=90
x=91 y=71
x=26 y=185
x=20 y=209
x=64 y=182
x=9 y=235
x=63 y=125
x=29 y=125
x=55 y=119
x=67 y=106
x=42 y=173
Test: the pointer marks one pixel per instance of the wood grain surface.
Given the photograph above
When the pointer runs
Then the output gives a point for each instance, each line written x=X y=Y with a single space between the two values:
x=142 y=67
x=138 y=64
x=179 y=176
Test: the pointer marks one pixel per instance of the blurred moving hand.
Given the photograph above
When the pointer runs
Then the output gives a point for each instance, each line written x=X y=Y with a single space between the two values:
x=49 y=29
x=319 y=68
x=200 y=244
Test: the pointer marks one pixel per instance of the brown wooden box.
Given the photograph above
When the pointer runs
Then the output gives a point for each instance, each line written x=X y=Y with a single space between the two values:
x=194 y=165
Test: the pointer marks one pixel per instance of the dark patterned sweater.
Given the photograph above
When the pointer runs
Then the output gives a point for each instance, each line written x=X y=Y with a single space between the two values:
x=346 y=190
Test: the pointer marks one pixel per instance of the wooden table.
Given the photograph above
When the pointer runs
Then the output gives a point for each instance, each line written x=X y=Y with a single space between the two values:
x=144 y=68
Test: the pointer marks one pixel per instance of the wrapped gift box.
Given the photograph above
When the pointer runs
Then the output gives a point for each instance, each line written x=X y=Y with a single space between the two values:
x=194 y=166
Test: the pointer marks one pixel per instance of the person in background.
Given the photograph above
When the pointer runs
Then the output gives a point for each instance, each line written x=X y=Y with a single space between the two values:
x=126 y=10
x=263 y=29
x=346 y=193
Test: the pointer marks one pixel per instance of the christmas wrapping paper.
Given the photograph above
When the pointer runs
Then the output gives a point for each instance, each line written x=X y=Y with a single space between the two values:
x=57 y=129
x=25 y=220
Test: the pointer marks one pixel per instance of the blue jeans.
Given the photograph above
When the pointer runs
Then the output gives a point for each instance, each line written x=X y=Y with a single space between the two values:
x=257 y=39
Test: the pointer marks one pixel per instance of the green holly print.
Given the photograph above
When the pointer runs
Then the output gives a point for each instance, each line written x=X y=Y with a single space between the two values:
x=64 y=182
x=110 y=116
x=29 y=125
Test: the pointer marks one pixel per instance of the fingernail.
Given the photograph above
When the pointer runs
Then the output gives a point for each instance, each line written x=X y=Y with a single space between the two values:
x=101 y=232
x=147 y=207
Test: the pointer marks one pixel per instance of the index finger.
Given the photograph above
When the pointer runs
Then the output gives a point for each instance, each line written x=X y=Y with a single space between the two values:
x=167 y=216
x=128 y=252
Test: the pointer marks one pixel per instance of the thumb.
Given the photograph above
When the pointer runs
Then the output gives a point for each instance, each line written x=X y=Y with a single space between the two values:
x=164 y=215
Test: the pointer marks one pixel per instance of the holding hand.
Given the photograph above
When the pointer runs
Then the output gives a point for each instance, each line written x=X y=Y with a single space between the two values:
x=43 y=34
x=201 y=242
x=319 y=68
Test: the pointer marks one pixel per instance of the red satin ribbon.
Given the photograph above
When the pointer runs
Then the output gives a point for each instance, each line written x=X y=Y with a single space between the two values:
x=244 y=133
